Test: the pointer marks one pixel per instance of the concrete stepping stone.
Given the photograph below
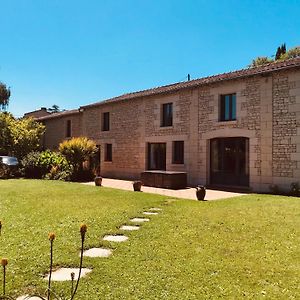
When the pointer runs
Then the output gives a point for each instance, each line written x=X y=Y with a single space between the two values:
x=115 y=238
x=129 y=227
x=140 y=220
x=97 y=252
x=64 y=274
x=155 y=209
x=150 y=213
x=27 y=297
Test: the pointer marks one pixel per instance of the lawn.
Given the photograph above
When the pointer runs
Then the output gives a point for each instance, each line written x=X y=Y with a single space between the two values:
x=245 y=247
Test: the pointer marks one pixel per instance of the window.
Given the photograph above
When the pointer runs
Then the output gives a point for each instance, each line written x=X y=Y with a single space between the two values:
x=167 y=115
x=228 y=107
x=178 y=152
x=108 y=152
x=69 y=129
x=105 y=121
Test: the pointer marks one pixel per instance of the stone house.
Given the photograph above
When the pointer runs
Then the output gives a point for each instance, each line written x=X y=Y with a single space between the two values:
x=237 y=129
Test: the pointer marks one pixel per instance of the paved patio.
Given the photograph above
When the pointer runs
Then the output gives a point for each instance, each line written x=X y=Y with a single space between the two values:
x=188 y=193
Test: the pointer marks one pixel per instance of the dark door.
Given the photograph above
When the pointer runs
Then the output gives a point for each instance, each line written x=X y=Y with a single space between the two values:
x=157 y=156
x=229 y=161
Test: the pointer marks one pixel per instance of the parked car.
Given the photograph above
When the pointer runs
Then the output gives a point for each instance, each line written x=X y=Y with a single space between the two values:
x=9 y=166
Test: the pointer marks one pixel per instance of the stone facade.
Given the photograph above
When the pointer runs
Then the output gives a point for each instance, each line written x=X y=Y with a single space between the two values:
x=267 y=114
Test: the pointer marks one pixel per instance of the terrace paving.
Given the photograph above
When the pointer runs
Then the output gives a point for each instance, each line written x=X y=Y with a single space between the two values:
x=188 y=193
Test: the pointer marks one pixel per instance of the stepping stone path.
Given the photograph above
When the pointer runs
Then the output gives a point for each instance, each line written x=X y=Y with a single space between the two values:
x=63 y=274
x=150 y=213
x=115 y=238
x=129 y=227
x=97 y=252
x=140 y=220
x=26 y=297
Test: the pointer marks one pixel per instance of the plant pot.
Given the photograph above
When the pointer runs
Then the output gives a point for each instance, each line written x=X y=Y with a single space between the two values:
x=137 y=186
x=200 y=192
x=98 y=180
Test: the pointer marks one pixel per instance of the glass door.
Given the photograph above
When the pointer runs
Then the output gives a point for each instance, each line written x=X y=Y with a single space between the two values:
x=157 y=156
x=229 y=161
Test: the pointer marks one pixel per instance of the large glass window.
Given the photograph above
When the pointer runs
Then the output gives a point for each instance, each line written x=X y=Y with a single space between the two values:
x=178 y=152
x=105 y=121
x=167 y=115
x=228 y=107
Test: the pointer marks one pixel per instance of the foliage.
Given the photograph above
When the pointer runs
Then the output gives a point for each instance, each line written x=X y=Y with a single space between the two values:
x=54 y=109
x=5 y=133
x=295 y=189
x=77 y=151
x=281 y=54
x=280 y=51
x=19 y=136
x=292 y=53
x=174 y=256
x=5 y=172
x=46 y=164
x=4 y=96
x=259 y=61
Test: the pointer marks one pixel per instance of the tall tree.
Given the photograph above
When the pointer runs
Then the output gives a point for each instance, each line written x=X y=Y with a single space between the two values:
x=4 y=96
x=19 y=136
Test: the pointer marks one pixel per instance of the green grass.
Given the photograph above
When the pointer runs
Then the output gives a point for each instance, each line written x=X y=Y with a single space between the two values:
x=245 y=247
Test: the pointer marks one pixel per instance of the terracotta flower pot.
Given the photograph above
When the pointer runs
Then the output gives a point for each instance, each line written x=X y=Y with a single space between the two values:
x=200 y=192
x=98 y=180
x=137 y=186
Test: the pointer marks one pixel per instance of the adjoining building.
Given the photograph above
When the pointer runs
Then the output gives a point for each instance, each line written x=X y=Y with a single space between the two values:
x=237 y=129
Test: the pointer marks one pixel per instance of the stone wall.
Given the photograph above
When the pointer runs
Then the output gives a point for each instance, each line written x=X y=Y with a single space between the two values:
x=56 y=129
x=286 y=125
x=268 y=114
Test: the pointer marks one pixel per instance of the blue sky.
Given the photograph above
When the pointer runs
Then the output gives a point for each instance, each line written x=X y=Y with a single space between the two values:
x=73 y=53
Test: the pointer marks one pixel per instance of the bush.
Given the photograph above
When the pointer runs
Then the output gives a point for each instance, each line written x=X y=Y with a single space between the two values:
x=46 y=164
x=77 y=151
x=4 y=171
x=295 y=189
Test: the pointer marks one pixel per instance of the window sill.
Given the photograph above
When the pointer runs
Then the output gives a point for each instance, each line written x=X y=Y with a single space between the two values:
x=177 y=164
x=107 y=161
x=166 y=127
x=227 y=122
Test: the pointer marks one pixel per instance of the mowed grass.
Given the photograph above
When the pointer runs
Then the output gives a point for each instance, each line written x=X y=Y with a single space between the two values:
x=246 y=247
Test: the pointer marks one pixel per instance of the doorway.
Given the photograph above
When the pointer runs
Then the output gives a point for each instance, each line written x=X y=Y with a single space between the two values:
x=229 y=161
x=157 y=156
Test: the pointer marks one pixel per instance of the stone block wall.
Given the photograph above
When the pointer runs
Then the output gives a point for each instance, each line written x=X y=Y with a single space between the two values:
x=268 y=114
x=56 y=129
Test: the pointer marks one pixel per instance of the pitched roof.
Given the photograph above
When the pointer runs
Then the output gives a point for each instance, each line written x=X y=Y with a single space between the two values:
x=59 y=114
x=264 y=69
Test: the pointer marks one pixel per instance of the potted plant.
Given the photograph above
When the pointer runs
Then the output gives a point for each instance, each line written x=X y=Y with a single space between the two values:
x=98 y=180
x=137 y=185
x=200 y=192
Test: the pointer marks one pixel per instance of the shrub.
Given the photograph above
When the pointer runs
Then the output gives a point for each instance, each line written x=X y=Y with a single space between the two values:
x=295 y=189
x=77 y=151
x=4 y=171
x=46 y=164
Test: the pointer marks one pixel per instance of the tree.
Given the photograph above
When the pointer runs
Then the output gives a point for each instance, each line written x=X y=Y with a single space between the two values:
x=4 y=96
x=54 y=109
x=77 y=151
x=19 y=136
x=280 y=51
x=259 y=61
x=292 y=53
